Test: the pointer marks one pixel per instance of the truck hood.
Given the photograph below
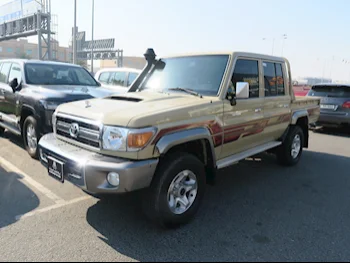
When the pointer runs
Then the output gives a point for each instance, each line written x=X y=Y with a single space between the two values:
x=66 y=93
x=120 y=109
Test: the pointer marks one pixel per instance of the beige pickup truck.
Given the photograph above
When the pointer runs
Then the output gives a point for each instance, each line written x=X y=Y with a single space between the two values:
x=184 y=118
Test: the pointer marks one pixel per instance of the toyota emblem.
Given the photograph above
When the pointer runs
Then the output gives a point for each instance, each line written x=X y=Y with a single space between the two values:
x=74 y=130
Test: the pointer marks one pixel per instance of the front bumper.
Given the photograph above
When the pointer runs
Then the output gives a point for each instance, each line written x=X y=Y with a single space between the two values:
x=88 y=170
x=333 y=119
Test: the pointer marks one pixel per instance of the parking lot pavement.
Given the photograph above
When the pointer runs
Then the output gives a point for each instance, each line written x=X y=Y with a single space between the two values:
x=258 y=211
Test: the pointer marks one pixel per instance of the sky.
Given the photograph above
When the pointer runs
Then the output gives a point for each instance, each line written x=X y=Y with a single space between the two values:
x=318 y=30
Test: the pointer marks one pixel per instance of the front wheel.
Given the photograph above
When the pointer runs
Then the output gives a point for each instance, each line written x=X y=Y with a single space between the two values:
x=176 y=191
x=2 y=130
x=31 y=136
x=290 y=152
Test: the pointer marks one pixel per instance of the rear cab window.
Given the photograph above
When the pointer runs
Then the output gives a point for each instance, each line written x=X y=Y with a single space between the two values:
x=274 y=79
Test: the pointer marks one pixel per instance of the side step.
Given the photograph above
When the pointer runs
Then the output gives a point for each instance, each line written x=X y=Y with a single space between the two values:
x=243 y=155
x=10 y=128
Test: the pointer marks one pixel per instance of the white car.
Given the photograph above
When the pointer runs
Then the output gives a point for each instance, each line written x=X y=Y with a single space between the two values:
x=118 y=79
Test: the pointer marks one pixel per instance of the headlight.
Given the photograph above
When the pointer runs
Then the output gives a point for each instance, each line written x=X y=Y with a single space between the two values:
x=126 y=140
x=50 y=105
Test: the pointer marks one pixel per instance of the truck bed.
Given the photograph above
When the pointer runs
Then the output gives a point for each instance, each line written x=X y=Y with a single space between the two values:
x=311 y=105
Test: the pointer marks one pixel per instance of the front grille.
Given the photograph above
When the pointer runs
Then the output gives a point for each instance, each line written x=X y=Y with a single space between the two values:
x=89 y=134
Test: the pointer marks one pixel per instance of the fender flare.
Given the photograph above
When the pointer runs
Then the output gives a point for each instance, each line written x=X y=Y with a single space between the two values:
x=299 y=114
x=169 y=141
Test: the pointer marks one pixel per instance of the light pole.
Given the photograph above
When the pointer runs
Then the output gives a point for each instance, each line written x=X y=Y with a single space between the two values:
x=273 y=44
x=92 y=38
x=284 y=38
x=75 y=34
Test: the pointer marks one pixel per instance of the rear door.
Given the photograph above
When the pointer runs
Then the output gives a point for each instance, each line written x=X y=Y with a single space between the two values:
x=335 y=99
x=5 y=108
x=277 y=103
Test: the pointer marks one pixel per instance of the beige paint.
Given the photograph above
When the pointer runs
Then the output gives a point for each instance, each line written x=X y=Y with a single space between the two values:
x=163 y=111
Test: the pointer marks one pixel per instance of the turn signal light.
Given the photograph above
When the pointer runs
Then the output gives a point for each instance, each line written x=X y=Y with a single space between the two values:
x=139 y=140
x=346 y=105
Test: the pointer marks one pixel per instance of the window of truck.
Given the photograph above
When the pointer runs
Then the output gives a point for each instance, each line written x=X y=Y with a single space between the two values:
x=202 y=74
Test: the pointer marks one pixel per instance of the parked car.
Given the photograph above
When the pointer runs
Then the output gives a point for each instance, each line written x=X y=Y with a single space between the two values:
x=118 y=79
x=183 y=119
x=30 y=92
x=335 y=104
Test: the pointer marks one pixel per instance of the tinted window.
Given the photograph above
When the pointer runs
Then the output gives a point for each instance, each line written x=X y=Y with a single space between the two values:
x=247 y=71
x=58 y=74
x=104 y=77
x=15 y=73
x=270 y=79
x=5 y=69
x=202 y=74
x=118 y=79
x=132 y=77
x=330 y=91
x=280 y=80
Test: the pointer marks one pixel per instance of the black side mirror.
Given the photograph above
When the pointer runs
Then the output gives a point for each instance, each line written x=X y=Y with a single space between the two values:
x=14 y=84
x=232 y=98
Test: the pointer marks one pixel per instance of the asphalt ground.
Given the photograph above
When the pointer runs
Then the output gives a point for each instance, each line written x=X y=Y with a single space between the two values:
x=258 y=211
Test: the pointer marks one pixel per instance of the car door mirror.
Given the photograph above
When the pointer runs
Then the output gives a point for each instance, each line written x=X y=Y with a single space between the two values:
x=242 y=90
x=14 y=84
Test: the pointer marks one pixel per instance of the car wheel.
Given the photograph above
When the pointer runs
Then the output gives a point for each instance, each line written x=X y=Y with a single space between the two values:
x=290 y=152
x=31 y=136
x=177 y=190
x=2 y=130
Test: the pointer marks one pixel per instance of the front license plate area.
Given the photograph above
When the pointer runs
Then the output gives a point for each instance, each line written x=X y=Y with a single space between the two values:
x=56 y=169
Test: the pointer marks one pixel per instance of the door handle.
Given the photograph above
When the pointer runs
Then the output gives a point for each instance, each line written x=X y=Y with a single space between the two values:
x=258 y=110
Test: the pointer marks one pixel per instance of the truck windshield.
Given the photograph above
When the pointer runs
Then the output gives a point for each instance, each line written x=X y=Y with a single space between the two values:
x=200 y=74
x=54 y=74
x=330 y=91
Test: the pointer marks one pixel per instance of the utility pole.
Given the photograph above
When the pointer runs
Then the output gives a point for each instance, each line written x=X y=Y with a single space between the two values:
x=75 y=34
x=284 y=38
x=92 y=38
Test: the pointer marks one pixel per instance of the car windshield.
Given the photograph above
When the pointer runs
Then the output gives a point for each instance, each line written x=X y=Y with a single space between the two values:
x=54 y=74
x=199 y=74
x=330 y=91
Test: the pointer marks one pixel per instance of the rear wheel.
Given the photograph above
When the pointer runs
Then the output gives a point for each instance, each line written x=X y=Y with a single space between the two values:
x=31 y=136
x=289 y=153
x=176 y=191
x=2 y=130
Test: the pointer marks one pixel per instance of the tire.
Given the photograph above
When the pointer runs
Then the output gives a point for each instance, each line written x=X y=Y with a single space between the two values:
x=2 y=130
x=156 y=202
x=284 y=153
x=31 y=122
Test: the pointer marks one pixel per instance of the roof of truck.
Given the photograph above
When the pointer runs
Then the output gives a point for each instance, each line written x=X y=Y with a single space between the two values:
x=25 y=61
x=229 y=53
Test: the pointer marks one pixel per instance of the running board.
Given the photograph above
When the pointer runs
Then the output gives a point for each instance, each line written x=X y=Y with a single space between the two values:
x=243 y=155
x=10 y=128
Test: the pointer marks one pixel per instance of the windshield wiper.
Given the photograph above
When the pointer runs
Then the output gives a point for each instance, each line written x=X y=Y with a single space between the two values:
x=189 y=91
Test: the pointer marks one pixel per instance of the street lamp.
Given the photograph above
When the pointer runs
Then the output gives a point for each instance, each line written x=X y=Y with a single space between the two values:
x=273 y=44
x=92 y=40
x=75 y=34
x=284 y=39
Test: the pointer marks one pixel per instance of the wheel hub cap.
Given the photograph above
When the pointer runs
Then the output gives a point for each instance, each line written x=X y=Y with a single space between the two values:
x=182 y=192
x=296 y=146
x=31 y=138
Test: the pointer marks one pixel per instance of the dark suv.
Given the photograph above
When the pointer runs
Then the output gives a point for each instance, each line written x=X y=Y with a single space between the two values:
x=335 y=104
x=30 y=91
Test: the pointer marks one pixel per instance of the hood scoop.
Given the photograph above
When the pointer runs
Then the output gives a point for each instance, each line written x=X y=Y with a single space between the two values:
x=130 y=99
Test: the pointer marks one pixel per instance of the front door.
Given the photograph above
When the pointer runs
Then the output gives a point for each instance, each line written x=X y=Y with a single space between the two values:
x=244 y=123
x=10 y=95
